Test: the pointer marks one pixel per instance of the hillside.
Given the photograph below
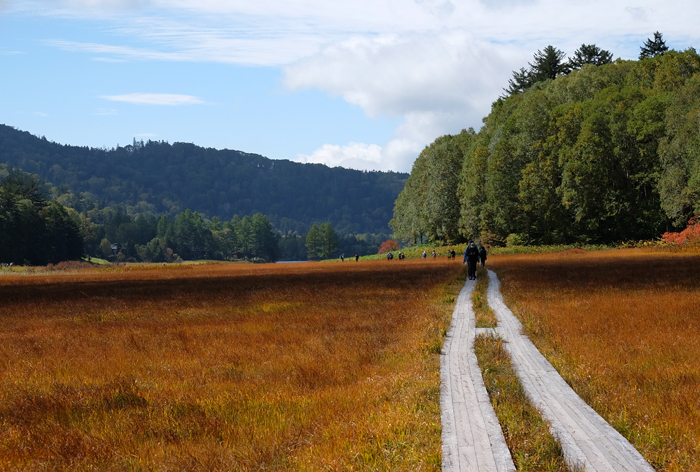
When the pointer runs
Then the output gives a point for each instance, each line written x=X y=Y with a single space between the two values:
x=607 y=153
x=163 y=178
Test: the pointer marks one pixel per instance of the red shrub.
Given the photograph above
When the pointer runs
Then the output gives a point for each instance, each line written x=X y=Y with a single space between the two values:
x=389 y=245
x=691 y=234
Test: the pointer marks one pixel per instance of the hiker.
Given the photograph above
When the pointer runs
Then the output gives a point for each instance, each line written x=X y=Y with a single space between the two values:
x=482 y=256
x=389 y=256
x=453 y=254
x=342 y=257
x=471 y=256
x=357 y=258
x=424 y=255
x=434 y=254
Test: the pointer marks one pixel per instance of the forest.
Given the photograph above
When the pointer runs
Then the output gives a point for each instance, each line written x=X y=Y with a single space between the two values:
x=36 y=229
x=159 y=178
x=586 y=151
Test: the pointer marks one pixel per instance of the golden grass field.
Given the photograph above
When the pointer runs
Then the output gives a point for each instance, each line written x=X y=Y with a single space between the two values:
x=623 y=328
x=225 y=367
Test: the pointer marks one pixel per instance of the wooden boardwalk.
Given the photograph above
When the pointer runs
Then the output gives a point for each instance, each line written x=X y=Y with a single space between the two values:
x=588 y=441
x=472 y=439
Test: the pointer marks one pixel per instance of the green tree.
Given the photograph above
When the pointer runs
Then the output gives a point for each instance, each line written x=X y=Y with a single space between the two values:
x=246 y=237
x=605 y=154
x=265 y=240
x=653 y=47
x=105 y=248
x=191 y=236
x=87 y=230
x=548 y=63
x=62 y=239
x=679 y=153
x=164 y=228
x=589 y=54
x=410 y=221
x=314 y=243
x=215 y=224
x=520 y=81
x=329 y=241
x=33 y=229
x=445 y=157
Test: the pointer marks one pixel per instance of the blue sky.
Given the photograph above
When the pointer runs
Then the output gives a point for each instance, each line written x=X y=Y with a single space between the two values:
x=362 y=84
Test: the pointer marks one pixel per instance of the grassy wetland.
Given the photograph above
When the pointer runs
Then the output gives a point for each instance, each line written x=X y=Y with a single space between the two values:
x=225 y=367
x=623 y=329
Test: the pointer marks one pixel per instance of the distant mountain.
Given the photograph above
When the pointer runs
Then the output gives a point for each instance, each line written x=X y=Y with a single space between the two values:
x=159 y=177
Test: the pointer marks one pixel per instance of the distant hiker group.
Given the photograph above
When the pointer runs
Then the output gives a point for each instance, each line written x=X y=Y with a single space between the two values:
x=473 y=254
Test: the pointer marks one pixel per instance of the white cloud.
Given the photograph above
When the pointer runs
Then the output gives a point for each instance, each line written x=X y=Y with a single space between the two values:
x=168 y=99
x=396 y=155
x=444 y=80
x=41 y=114
x=122 y=51
x=437 y=64
x=353 y=155
x=439 y=83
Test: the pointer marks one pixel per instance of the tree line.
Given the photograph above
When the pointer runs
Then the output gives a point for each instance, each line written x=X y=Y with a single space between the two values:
x=162 y=178
x=191 y=236
x=37 y=229
x=602 y=153
x=549 y=63
x=34 y=229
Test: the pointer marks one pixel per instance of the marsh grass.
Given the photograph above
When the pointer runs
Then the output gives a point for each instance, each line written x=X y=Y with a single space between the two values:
x=484 y=315
x=225 y=367
x=532 y=446
x=623 y=329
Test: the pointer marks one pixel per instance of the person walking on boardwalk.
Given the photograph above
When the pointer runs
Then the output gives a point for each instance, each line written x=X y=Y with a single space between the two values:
x=471 y=256
x=357 y=258
x=424 y=255
x=482 y=256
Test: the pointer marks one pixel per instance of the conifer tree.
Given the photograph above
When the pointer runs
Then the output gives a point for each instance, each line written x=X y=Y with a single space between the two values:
x=313 y=243
x=589 y=54
x=329 y=241
x=520 y=82
x=548 y=64
x=654 y=47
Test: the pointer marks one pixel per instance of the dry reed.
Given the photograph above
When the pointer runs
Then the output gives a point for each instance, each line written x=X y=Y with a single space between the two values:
x=623 y=328
x=484 y=316
x=224 y=367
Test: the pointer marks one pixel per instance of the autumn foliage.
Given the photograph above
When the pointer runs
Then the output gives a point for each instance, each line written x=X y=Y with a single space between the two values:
x=388 y=246
x=690 y=235
x=623 y=329
x=224 y=367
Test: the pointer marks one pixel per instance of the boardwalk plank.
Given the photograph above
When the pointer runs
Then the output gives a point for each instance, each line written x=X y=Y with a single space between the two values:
x=587 y=440
x=472 y=438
